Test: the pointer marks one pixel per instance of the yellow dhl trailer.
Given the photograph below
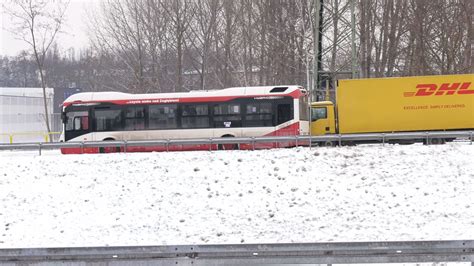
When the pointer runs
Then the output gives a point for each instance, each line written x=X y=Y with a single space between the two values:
x=407 y=104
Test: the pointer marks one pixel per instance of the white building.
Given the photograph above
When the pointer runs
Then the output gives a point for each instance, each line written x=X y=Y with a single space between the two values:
x=22 y=114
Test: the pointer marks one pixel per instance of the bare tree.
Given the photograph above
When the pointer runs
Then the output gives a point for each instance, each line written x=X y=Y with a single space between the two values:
x=174 y=45
x=154 y=25
x=18 y=71
x=120 y=33
x=467 y=7
x=245 y=50
x=202 y=33
x=38 y=22
x=179 y=14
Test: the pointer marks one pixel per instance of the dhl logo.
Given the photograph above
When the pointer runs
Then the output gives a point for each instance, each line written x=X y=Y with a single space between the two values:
x=443 y=89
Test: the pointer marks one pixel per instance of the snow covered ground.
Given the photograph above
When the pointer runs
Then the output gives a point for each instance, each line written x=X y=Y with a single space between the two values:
x=362 y=193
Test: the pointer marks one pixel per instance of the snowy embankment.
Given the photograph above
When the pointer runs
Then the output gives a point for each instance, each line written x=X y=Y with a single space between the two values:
x=363 y=193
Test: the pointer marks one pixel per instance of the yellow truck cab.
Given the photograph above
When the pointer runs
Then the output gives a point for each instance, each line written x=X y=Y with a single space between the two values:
x=402 y=104
x=323 y=120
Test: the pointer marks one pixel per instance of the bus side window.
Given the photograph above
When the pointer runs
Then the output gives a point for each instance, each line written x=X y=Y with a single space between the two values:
x=258 y=114
x=135 y=118
x=195 y=116
x=284 y=113
x=76 y=120
x=318 y=113
x=69 y=124
x=108 y=120
x=227 y=115
x=77 y=123
x=85 y=122
x=162 y=116
x=81 y=123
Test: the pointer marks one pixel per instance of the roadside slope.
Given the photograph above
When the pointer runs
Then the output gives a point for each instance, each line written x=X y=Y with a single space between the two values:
x=363 y=193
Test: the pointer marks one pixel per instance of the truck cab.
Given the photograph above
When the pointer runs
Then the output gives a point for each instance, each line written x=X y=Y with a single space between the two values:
x=323 y=119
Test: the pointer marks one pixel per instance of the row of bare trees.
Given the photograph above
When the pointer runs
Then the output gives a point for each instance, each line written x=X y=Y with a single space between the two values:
x=415 y=37
x=181 y=45
x=199 y=44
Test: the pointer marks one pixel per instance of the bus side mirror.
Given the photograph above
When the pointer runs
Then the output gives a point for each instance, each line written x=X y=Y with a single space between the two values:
x=63 y=117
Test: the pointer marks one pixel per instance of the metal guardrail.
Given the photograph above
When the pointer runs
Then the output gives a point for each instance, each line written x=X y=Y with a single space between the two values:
x=248 y=254
x=297 y=140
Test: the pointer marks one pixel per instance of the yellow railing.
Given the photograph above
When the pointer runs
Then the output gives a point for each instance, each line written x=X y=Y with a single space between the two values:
x=45 y=135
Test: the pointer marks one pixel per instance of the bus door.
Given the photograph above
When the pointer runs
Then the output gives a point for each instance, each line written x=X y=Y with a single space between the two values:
x=284 y=110
x=322 y=119
x=76 y=124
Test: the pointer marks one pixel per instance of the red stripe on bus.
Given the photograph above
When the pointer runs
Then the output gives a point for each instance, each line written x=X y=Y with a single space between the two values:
x=295 y=94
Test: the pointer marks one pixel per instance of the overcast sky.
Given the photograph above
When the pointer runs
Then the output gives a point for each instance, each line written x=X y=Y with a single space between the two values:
x=75 y=28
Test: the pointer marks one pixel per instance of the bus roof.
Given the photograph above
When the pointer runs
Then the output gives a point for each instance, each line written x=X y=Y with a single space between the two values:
x=128 y=98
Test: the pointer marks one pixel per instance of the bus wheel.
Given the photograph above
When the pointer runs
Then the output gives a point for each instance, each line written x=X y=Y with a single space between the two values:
x=109 y=149
x=230 y=146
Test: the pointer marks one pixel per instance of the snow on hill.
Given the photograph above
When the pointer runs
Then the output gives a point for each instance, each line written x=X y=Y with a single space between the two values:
x=362 y=193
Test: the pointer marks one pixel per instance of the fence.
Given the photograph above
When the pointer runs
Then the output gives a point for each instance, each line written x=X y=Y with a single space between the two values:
x=248 y=254
x=27 y=136
x=24 y=131
x=296 y=140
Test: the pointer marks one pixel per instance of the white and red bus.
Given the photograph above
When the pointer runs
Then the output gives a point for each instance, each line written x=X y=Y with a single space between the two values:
x=232 y=112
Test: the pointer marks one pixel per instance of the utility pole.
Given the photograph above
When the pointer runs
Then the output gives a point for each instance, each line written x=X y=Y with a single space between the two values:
x=316 y=47
x=353 y=48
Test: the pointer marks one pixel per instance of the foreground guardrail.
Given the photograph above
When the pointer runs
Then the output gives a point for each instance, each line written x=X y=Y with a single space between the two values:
x=248 y=254
x=298 y=140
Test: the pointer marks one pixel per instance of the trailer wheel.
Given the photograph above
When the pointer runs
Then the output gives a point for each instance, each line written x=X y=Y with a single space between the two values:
x=436 y=141
x=328 y=143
